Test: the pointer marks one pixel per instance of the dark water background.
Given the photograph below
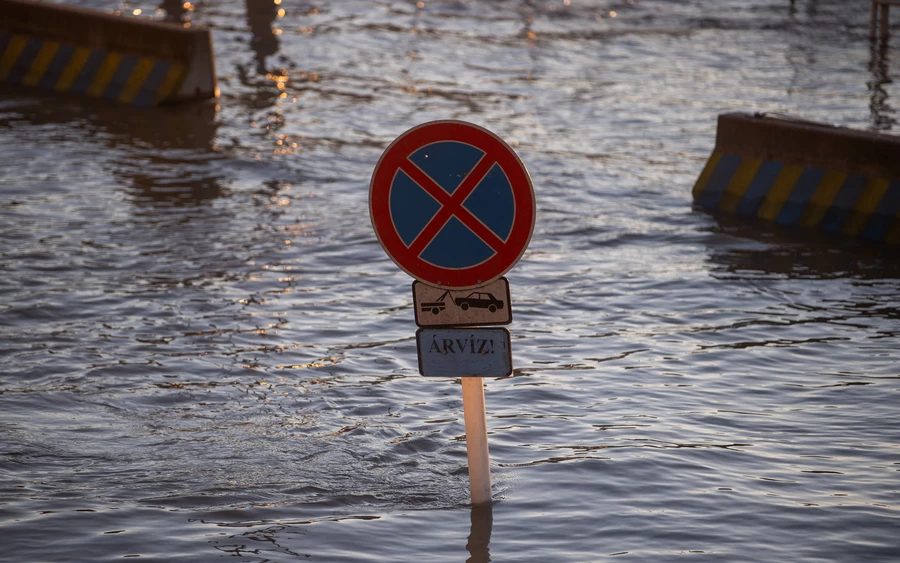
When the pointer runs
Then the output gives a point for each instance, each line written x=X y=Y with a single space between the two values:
x=205 y=354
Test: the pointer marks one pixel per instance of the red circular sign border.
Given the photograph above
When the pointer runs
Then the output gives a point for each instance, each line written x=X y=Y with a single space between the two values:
x=494 y=147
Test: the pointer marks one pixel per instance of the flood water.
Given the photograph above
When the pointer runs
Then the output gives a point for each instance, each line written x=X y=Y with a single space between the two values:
x=206 y=355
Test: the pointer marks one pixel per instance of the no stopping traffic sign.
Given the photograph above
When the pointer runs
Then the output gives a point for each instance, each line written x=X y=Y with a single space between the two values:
x=452 y=204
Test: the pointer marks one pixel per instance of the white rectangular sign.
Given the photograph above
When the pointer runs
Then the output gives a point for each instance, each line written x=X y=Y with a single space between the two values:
x=464 y=352
x=480 y=306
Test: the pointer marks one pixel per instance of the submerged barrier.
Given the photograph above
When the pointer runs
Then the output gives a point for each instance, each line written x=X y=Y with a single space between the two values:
x=121 y=58
x=797 y=172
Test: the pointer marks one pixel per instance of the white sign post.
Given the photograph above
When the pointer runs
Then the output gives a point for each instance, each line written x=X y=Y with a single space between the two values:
x=476 y=439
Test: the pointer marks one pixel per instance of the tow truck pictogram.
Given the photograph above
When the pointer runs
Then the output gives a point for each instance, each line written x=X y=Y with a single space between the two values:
x=436 y=306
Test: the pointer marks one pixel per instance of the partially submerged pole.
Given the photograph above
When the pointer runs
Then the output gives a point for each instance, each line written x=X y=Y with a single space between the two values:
x=476 y=439
x=884 y=6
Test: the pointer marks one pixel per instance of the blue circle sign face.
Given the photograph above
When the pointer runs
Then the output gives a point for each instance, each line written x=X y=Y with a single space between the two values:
x=452 y=204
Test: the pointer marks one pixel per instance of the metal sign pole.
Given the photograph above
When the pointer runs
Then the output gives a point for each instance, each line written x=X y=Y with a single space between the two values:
x=476 y=439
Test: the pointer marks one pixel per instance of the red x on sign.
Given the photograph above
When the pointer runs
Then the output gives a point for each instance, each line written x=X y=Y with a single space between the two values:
x=452 y=204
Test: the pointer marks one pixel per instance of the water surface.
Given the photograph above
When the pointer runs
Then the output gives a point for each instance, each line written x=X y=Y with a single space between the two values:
x=205 y=354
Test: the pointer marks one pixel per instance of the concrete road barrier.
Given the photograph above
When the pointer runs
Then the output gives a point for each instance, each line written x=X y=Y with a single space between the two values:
x=121 y=58
x=796 y=172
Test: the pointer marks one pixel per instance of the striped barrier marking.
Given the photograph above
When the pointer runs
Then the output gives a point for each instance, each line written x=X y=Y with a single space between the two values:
x=881 y=224
x=138 y=77
x=13 y=48
x=129 y=79
x=779 y=192
x=756 y=192
x=41 y=61
x=846 y=198
x=739 y=183
x=703 y=180
x=71 y=63
x=893 y=236
x=865 y=206
x=823 y=198
x=790 y=194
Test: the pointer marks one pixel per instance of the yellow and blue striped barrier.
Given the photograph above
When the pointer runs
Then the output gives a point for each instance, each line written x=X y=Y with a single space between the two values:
x=760 y=170
x=131 y=61
x=64 y=67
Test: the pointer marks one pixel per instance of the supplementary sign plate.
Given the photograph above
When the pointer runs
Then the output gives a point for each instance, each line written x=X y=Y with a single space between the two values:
x=452 y=204
x=480 y=306
x=464 y=352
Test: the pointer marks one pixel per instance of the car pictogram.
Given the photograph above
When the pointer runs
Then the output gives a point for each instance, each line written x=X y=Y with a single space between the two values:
x=479 y=300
